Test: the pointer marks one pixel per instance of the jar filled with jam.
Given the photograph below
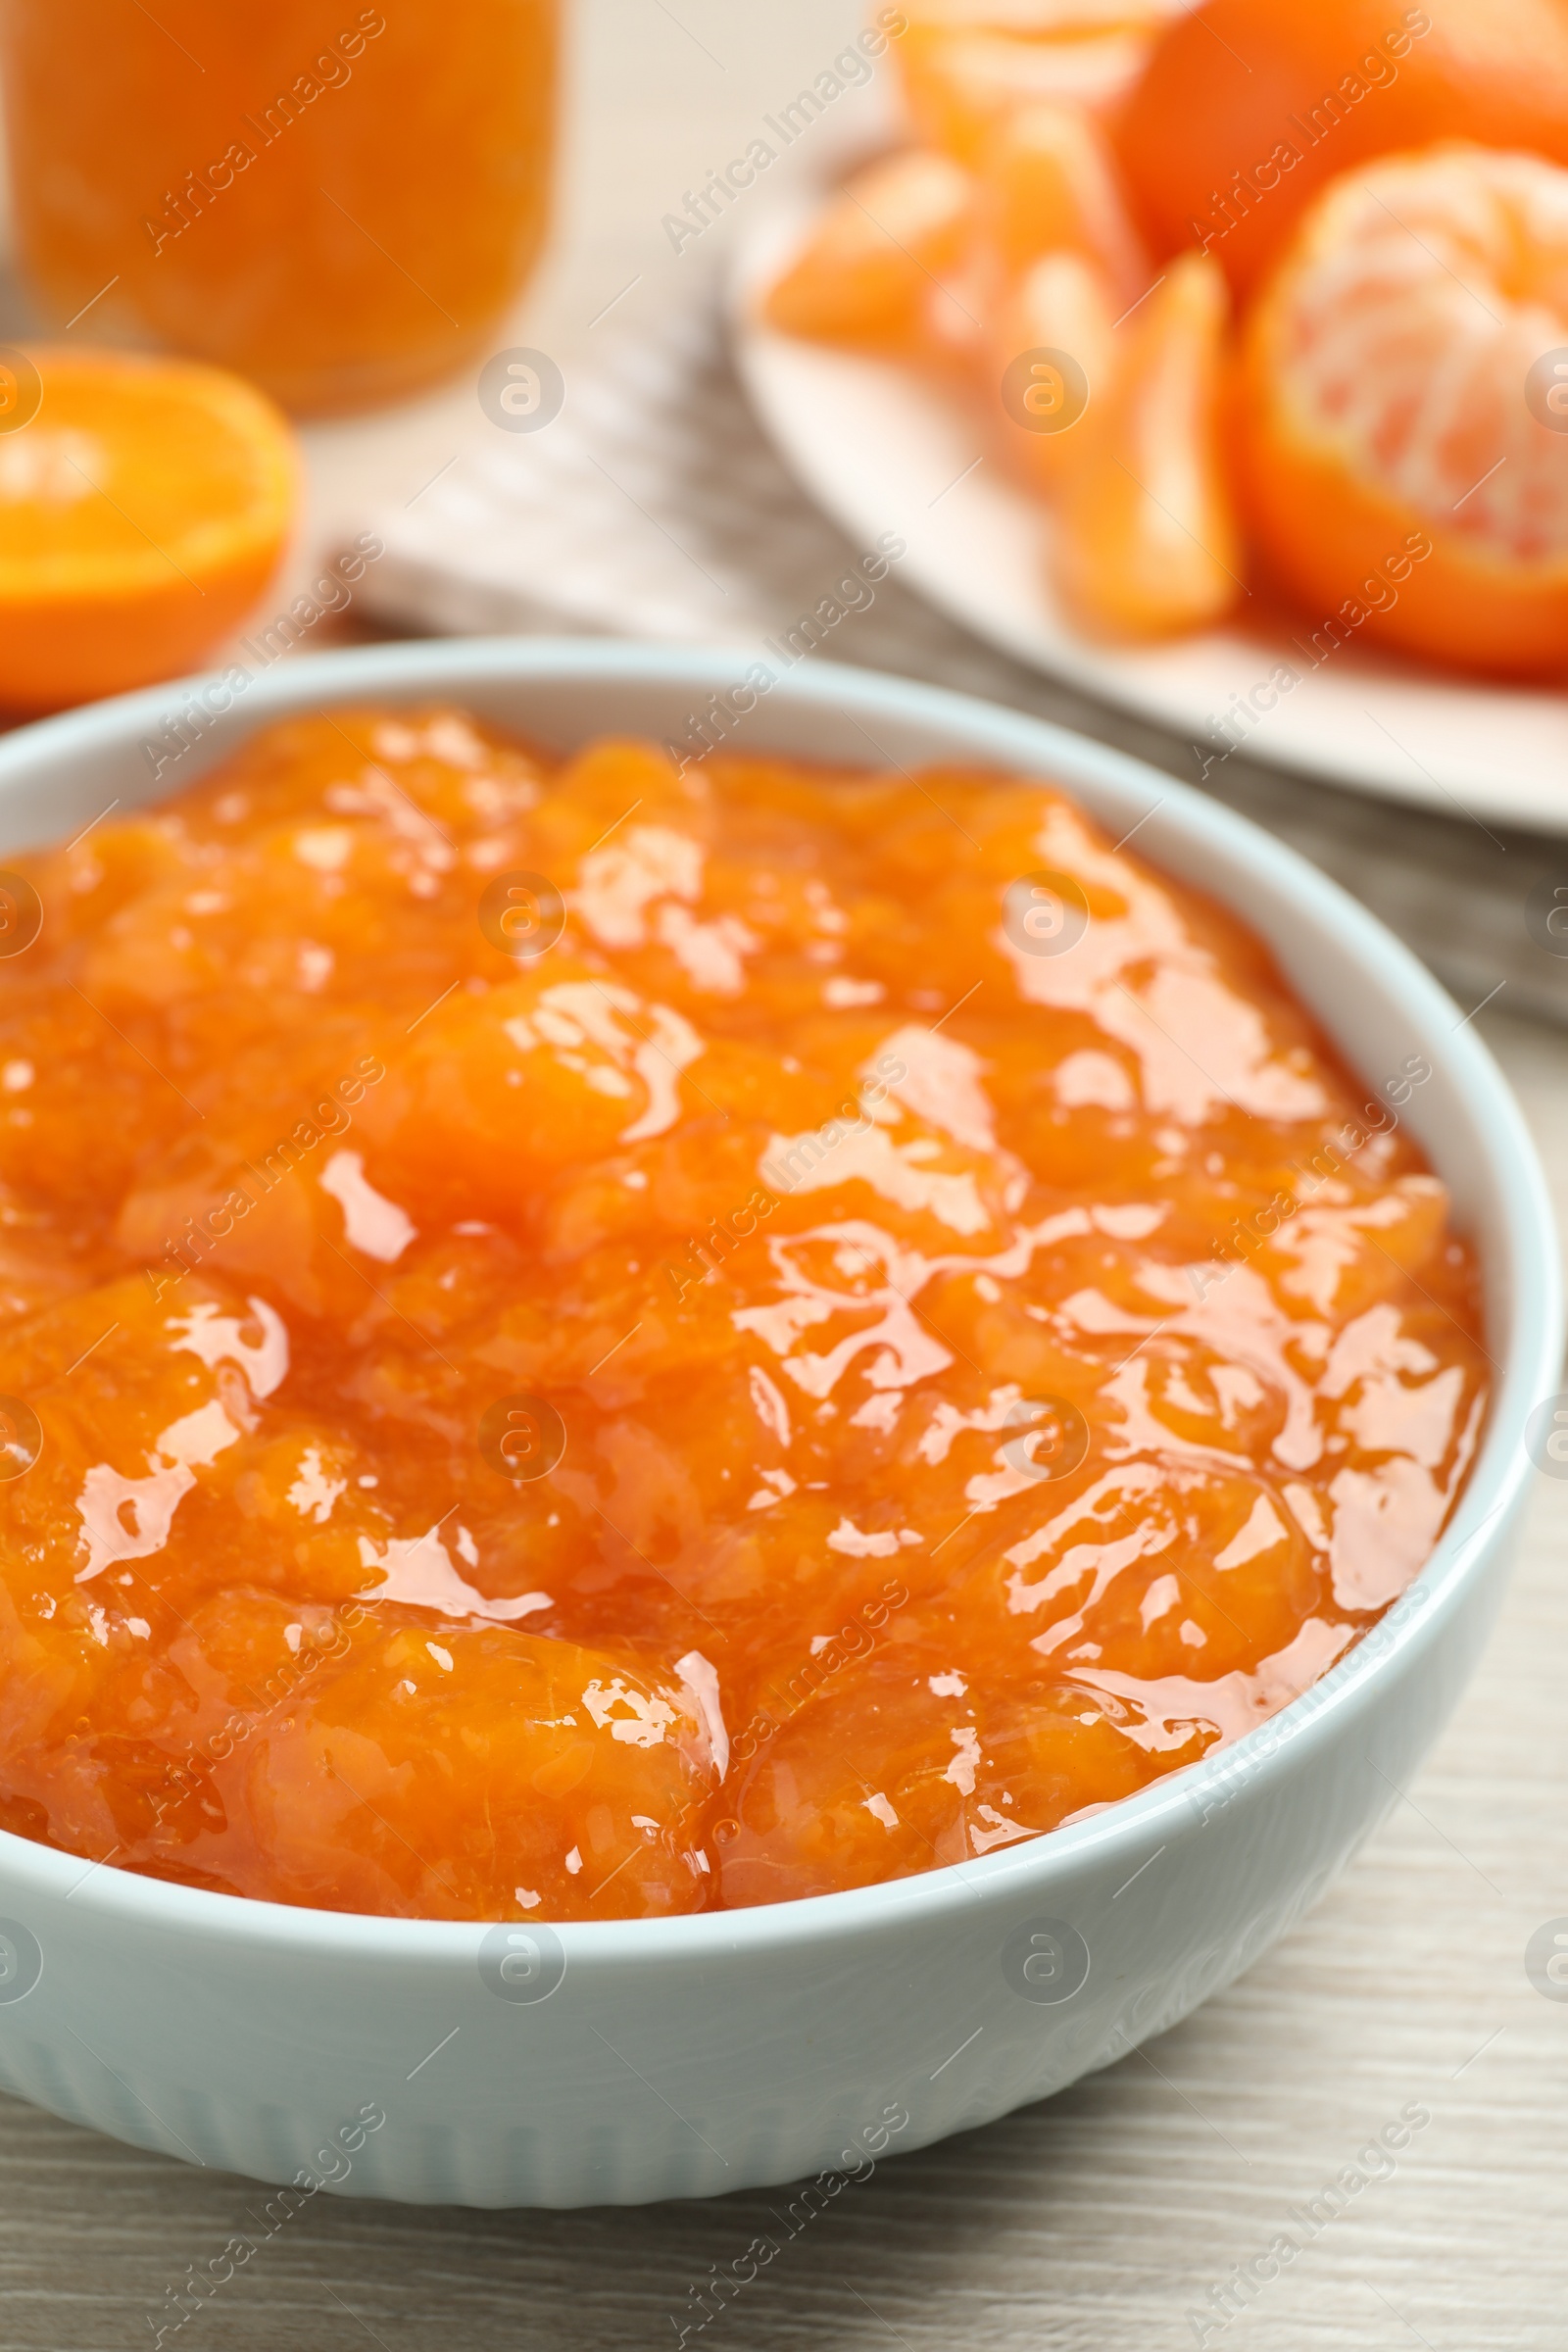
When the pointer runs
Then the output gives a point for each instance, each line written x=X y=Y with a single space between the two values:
x=340 y=202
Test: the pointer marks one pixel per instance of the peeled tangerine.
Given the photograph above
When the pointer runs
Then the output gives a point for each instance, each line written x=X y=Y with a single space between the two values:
x=604 y=1338
x=1146 y=542
x=867 y=269
x=1404 y=425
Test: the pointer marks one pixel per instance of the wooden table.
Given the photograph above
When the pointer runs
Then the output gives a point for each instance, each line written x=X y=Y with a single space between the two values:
x=1103 y=2218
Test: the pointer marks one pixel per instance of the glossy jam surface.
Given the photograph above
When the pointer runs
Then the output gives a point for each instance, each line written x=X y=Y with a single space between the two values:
x=586 y=1341
x=339 y=201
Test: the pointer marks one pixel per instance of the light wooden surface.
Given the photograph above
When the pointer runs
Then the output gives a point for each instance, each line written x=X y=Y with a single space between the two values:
x=1102 y=2218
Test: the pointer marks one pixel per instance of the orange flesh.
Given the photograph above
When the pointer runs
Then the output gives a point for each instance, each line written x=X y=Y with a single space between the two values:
x=339 y=201
x=823 y=1217
x=142 y=510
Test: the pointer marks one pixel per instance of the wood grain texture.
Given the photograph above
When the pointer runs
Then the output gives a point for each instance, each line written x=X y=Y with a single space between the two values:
x=1098 y=2221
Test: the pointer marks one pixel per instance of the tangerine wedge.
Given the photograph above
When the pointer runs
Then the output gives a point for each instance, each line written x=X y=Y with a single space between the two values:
x=1047 y=181
x=876 y=253
x=958 y=86
x=1045 y=184
x=1060 y=311
x=1146 y=543
x=1035 y=20
x=143 y=508
x=1402 y=431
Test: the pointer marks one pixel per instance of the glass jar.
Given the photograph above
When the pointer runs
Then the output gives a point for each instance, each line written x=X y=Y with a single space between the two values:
x=340 y=202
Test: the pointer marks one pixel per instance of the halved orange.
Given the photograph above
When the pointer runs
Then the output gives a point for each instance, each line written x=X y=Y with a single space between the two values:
x=143 y=508
x=867 y=272
x=1146 y=543
x=1404 y=419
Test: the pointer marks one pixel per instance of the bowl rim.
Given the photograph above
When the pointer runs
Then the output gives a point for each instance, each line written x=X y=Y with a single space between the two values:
x=1026 y=1871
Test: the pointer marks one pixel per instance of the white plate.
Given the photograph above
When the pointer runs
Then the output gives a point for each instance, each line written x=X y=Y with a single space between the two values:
x=882 y=449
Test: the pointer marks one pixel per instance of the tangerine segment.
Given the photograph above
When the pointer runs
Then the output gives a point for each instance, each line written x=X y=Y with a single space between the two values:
x=1248 y=108
x=1402 y=469
x=1047 y=183
x=1146 y=543
x=869 y=1325
x=1044 y=185
x=965 y=65
x=1036 y=19
x=143 y=508
x=875 y=253
x=1058 y=319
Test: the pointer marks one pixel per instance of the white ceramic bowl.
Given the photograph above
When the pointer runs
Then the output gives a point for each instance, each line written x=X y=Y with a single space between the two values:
x=683 y=2057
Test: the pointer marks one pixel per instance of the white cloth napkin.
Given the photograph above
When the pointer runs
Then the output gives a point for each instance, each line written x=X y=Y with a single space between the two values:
x=649 y=506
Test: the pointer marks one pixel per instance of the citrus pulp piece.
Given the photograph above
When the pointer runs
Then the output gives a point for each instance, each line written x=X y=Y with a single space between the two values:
x=1146 y=543
x=143 y=508
x=1404 y=469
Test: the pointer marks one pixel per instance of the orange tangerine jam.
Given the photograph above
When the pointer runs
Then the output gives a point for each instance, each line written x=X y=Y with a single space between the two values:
x=581 y=1341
